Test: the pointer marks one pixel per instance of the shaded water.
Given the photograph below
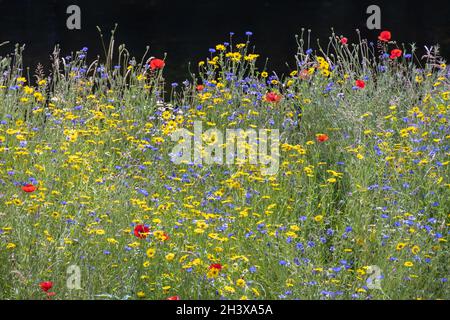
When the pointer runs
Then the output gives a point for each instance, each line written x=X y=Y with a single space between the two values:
x=186 y=29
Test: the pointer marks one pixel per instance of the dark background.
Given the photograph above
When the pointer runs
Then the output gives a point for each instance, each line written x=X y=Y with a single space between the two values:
x=187 y=29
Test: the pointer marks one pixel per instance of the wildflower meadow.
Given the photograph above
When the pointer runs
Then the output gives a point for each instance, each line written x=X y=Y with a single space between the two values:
x=117 y=184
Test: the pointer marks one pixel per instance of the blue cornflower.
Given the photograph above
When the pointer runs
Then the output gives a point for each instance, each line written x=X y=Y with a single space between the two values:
x=337 y=269
x=144 y=192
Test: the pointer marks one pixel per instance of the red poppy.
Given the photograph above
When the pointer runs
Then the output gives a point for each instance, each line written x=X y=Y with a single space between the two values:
x=156 y=64
x=174 y=298
x=200 y=87
x=396 y=53
x=344 y=40
x=273 y=97
x=360 y=84
x=46 y=285
x=29 y=188
x=385 y=36
x=141 y=231
x=216 y=266
x=322 y=137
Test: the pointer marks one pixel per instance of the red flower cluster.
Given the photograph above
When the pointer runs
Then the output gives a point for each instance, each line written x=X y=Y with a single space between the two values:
x=156 y=64
x=360 y=84
x=322 y=137
x=217 y=266
x=141 y=231
x=273 y=97
x=174 y=298
x=396 y=53
x=343 y=40
x=46 y=286
x=200 y=87
x=29 y=188
x=385 y=36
